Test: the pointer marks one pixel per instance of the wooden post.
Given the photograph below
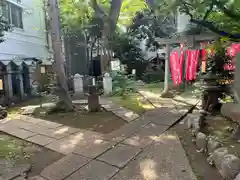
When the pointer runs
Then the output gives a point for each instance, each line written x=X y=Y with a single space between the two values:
x=166 y=73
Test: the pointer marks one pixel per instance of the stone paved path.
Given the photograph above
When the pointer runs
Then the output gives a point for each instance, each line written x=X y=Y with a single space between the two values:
x=140 y=150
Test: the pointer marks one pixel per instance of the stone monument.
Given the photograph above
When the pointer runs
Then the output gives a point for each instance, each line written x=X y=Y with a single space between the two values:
x=93 y=99
x=78 y=84
x=107 y=84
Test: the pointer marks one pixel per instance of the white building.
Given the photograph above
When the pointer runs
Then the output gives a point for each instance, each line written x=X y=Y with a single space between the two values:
x=23 y=45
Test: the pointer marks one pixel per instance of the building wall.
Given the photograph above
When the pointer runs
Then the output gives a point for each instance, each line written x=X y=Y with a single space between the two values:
x=31 y=40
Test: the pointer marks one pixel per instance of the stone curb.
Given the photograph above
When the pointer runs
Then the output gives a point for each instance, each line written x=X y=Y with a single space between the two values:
x=228 y=165
x=123 y=113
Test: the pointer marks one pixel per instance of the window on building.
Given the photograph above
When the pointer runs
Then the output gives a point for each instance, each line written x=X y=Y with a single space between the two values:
x=11 y=13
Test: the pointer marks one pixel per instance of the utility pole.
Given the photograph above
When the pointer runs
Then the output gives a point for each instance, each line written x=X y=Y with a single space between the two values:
x=53 y=11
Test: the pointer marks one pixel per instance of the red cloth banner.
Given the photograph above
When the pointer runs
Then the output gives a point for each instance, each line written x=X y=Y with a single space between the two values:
x=181 y=62
x=188 y=64
x=174 y=66
x=195 y=64
x=192 y=62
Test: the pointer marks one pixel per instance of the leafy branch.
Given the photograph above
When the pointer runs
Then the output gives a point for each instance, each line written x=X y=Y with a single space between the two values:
x=203 y=22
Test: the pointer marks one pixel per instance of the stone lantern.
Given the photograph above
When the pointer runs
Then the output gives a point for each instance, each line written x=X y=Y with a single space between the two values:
x=211 y=91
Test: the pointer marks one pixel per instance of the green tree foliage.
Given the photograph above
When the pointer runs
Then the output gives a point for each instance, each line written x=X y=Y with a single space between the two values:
x=127 y=49
x=148 y=25
x=219 y=16
x=75 y=14
x=4 y=25
x=78 y=14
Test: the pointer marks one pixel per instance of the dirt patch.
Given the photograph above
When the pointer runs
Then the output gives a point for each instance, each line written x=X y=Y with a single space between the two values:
x=17 y=152
x=103 y=122
x=197 y=160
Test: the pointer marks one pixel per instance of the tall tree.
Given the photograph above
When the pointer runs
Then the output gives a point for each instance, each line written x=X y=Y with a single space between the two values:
x=65 y=102
x=109 y=26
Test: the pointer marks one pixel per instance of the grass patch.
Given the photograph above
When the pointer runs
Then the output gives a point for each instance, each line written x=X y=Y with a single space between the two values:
x=15 y=152
x=154 y=85
x=133 y=102
x=15 y=149
x=104 y=122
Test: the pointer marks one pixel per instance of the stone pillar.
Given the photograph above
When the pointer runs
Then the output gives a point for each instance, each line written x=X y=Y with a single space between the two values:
x=78 y=84
x=8 y=86
x=20 y=77
x=107 y=84
x=93 y=99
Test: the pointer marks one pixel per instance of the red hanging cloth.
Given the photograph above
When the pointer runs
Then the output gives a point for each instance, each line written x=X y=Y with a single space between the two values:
x=174 y=67
x=181 y=61
x=192 y=62
x=188 y=64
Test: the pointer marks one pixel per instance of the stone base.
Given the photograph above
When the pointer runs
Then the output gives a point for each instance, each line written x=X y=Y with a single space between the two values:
x=78 y=96
x=232 y=111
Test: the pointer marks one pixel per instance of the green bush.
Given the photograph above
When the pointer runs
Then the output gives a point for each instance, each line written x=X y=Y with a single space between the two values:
x=153 y=75
x=122 y=83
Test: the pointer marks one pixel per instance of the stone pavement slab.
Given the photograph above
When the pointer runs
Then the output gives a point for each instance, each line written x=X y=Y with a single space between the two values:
x=40 y=140
x=120 y=155
x=69 y=143
x=163 y=116
x=36 y=128
x=121 y=112
x=165 y=160
x=30 y=119
x=48 y=124
x=64 y=167
x=146 y=135
x=40 y=122
x=93 y=148
x=95 y=170
x=126 y=130
x=63 y=147
x=67 y=129
x=15 y=131
x=37 y=178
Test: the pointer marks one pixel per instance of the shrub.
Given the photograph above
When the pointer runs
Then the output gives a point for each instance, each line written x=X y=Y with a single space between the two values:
x=153 y=75
x=122 y=83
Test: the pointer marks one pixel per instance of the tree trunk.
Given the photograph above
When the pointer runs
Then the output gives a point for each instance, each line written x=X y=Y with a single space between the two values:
x=109 y=27
x=105 y=48
x=65 y=98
